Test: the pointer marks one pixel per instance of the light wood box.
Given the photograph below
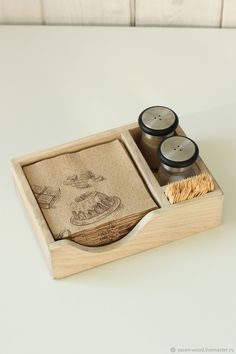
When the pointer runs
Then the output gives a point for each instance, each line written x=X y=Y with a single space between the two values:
x=166 y=224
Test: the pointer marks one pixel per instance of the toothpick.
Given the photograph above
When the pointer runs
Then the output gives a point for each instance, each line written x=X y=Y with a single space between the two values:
x=189 y=188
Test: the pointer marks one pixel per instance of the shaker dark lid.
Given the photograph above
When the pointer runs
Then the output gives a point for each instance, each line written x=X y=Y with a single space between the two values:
x=158 y=120
x=178 y=151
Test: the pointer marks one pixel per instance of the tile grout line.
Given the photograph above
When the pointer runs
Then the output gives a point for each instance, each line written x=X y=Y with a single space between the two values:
x=42 y=12
x=222 y=13
x=132 y=13
x=4 y=17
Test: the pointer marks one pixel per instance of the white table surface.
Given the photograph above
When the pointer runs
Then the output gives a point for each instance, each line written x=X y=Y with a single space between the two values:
x=59 y=84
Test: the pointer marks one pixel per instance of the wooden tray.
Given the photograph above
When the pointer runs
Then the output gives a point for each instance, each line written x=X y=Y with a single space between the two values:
x=166 y=224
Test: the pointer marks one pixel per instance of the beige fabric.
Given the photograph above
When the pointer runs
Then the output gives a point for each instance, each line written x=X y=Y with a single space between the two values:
x=79 y=192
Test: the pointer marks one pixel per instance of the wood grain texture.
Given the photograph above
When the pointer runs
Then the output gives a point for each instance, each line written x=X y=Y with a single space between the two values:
x=229 y=13
x=33 y=211
x=20 y=12
x=166 y=224
x=160 y=227
x=189 y=13
x=87 y=12
x=200 y=163
x=73 y=146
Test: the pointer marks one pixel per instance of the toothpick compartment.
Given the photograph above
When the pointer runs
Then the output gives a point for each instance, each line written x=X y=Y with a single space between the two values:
x=163 y=224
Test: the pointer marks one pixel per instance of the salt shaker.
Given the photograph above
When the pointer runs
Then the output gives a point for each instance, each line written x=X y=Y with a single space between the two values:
x=156 y=123
x=177 y=155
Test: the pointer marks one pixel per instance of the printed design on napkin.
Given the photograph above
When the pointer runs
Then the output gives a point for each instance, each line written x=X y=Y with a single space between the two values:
x=114 y=198
x=84 y=179
x=65 y=233
x=46 y=196
x=91 y=207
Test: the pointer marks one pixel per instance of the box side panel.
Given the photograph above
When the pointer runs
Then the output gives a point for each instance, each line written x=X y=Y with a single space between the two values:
x=73 y=146
x=33 y=211
x=167 y=225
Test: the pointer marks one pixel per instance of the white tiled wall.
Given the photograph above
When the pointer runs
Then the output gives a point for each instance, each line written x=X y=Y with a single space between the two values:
x=20 y=11
x=229 y=13
x=189 y=13
x=87 y=12
x=205 y=13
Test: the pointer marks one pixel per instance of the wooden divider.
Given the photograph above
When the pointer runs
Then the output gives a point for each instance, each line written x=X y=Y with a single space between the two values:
x=144 y=169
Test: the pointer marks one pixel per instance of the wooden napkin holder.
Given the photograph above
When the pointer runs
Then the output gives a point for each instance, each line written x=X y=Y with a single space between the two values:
x=166 y=224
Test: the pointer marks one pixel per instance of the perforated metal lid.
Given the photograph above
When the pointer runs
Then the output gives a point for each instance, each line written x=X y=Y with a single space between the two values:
x=178 y=151
x=158 y=121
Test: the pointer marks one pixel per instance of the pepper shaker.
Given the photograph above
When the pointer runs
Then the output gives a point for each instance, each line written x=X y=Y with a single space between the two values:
x=156 y=123
x=177 y=155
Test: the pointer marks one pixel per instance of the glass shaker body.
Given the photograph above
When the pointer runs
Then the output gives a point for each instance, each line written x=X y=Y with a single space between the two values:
x=148 y=145
x=157 y=123
x=167 y=174
x=177 y=155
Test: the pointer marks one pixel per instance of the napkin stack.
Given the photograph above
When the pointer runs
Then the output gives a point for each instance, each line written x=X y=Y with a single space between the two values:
x=93 y=197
